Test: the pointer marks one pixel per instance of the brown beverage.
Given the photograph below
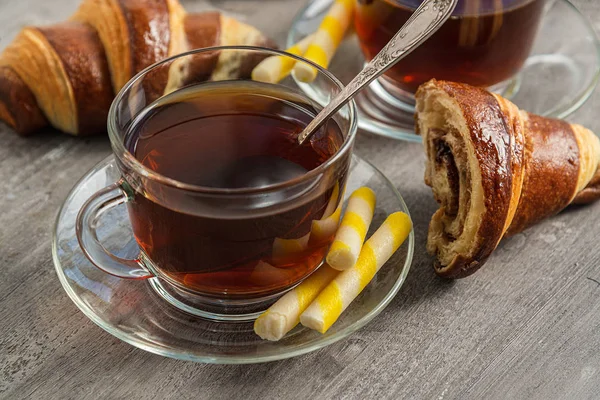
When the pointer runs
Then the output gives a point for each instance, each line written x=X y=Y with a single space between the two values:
x=231 y=135
x=485 y=41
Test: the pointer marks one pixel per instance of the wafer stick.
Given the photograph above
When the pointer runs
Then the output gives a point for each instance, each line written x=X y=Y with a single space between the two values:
x=324 y=229
x=285 y=249
x=333 y=201
x=498 y=19
x=326 y=39
x=321 y=230
x=353 y=229
x=265 y=274
x=284 y=315
x=275 y=68
x=346 y=286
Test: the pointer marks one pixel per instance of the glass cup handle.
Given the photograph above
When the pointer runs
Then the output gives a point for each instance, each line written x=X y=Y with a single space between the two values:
x=101 y=201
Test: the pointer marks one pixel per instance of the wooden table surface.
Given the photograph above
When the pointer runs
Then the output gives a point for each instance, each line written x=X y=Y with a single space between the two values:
x=526 y=326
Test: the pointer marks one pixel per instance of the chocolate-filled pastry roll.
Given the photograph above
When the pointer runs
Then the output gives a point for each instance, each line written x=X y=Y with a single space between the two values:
x=495 y=170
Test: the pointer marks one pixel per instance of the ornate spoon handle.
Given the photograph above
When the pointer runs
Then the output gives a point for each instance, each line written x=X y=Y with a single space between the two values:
x=426 y=20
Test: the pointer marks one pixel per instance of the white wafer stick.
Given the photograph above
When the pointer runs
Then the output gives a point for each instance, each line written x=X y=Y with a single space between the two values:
x=326 y=40
x=275 y=68
x=323 y=229
x=265 y=274
x=353 y=229
x=284 y=315
x=336 y=297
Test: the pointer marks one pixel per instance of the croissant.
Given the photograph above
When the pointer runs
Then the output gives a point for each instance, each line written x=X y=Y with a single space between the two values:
x=495 y=170
x=67 y=74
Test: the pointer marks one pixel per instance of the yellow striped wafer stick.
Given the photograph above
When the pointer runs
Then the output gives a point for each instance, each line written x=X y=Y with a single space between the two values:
x=284 y=315
x=333 y=201
x=326 y=40
x=275 y=68
x=321 y=229
x=284 y=249
x=336 y=297
x=352 y=231
x=324 y=228
x=265 y=274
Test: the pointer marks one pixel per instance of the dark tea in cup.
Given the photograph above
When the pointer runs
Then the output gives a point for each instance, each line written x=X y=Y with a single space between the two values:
x=233 y=136
x=484 y=43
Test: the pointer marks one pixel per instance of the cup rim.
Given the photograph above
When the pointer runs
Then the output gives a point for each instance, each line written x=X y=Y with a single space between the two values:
x=121 y=151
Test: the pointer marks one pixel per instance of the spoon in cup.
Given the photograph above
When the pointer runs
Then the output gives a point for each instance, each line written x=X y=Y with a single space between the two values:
x=423 y=23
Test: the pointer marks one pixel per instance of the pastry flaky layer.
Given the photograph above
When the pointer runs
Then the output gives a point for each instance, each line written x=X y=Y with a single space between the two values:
x=67 y=74
x=496 y=170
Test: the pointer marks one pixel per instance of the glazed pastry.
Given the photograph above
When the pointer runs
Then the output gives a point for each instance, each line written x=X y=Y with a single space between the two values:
x=135 y=33
x=59 y=72
x=67 y=74
x=495 y=170
x=18 y=107
x=210 y=29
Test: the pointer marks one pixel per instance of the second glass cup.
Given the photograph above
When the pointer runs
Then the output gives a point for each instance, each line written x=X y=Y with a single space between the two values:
x=485 y=42
x=229 y=212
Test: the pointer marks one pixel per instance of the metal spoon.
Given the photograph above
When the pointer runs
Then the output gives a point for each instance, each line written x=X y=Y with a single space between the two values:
x=425 y=21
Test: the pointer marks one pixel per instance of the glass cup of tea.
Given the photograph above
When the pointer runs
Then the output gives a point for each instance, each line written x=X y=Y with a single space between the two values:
x=229 y=212
x=484 y=43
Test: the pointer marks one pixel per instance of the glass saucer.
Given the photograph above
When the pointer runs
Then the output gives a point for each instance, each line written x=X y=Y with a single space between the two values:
x=558 y=77
x=132 y=311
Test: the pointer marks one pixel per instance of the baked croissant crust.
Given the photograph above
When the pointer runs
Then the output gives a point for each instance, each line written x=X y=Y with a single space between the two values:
x=18 y=107
x=67 y=74
x=65 y=69
x=495 y=170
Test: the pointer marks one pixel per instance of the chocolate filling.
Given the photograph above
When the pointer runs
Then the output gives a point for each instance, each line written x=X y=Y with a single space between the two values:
x=444 y=156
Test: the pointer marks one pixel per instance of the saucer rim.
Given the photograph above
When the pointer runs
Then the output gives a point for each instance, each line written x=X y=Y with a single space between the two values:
x=294 y=351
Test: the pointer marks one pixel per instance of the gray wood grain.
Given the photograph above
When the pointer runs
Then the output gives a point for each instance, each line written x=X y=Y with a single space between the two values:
x=526 y=326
